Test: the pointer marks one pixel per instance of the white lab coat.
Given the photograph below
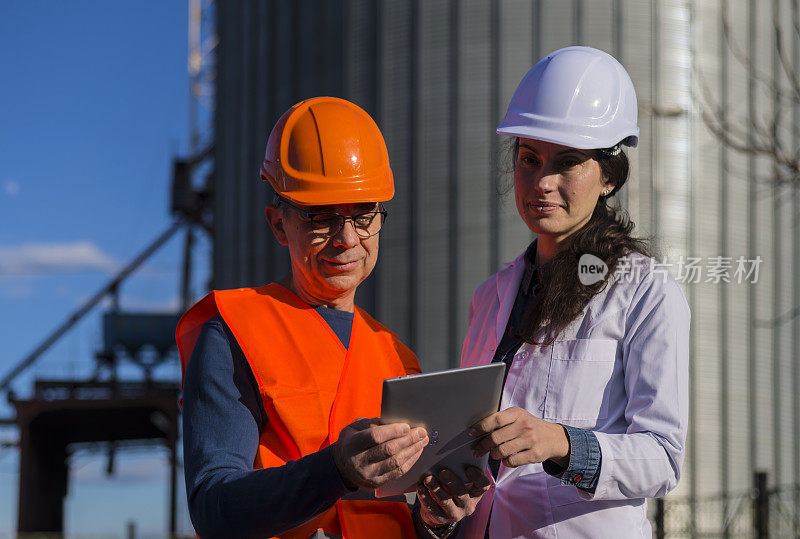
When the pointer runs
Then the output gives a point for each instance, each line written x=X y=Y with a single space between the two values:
x=621 y=370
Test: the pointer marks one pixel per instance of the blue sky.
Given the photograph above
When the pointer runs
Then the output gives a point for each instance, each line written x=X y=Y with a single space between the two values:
x=93 y=106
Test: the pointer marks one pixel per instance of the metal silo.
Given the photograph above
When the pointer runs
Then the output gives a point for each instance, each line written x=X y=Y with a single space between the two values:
x=437 y=76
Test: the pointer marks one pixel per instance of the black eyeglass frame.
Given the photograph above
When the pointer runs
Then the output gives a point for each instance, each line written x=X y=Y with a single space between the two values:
x=310 y=216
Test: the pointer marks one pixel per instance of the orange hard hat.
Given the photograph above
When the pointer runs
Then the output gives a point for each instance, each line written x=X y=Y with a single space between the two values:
x=326 y=150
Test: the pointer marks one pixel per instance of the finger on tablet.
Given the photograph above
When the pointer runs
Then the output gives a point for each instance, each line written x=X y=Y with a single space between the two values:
x=437 y=490
x=493 y=422
x=477 y=479
x=399 y=463
x=477 y=486
x=511 y=447
x=430 y=505
x=495 y=438
x=452 y=483
x=374 y=435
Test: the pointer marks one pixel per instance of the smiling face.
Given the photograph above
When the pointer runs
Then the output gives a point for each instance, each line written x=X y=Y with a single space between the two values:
x=325 y=270
x=556 y=188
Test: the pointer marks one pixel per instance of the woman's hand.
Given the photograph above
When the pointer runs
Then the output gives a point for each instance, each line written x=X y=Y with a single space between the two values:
x=445 y=499
x=516 y=437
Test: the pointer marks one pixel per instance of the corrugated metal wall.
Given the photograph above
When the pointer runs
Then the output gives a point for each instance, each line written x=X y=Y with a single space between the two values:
x=437 y=77
x=745 y=349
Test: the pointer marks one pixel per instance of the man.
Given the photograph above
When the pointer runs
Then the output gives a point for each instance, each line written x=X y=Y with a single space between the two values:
x=278 y=379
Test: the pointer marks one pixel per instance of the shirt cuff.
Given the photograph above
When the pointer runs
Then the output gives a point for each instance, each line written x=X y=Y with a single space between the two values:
x=327 y=470
x=585 y=457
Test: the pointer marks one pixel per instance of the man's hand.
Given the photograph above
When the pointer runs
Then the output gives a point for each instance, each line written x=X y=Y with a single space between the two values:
x=444 y=498
x=369 y=454
x=516 y=437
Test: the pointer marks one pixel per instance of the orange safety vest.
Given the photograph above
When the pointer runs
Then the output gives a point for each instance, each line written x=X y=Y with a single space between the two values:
x=311 y=387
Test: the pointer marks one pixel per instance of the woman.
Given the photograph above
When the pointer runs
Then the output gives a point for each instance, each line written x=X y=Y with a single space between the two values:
x=595 y=405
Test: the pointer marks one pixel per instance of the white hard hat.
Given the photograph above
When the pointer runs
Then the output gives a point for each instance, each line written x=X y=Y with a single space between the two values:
x=578 y=97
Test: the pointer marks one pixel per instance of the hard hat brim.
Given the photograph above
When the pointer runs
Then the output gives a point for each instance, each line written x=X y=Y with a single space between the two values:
x=572 y=140
x=356 y=191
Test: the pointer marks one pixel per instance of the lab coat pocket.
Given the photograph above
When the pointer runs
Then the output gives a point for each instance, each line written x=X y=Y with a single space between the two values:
x=579 y=383
x=561 y=494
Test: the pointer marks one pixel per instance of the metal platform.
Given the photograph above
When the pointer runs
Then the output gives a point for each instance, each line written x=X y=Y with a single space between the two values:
x=65 y=412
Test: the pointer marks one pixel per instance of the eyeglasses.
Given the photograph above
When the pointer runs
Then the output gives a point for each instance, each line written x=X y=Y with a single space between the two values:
x=329 y=223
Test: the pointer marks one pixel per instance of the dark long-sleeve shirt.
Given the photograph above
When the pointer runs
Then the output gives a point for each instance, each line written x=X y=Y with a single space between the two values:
x=222 y=419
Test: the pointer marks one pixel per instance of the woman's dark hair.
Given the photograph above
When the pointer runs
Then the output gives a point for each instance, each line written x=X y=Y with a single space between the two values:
x=607 y=235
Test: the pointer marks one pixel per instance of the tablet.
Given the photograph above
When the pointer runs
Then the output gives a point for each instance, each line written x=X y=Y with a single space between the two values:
x=447 y=403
